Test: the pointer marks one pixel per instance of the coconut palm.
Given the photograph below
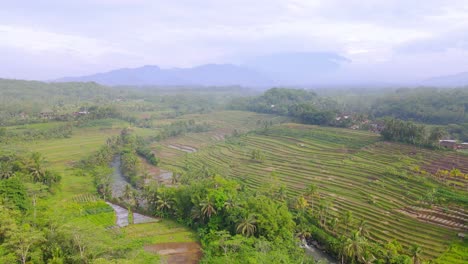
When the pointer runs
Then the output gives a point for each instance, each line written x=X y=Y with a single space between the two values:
x=333 y=223
x=346 y=219
x=302 y=232
x=301 y=203
x=281 y=194
x=310 y=192
x=415 y=253
x=36 y=167
x=6 y=170
x=163 y=202
x=247 y=226
x=127 y=194
x=207 y=209
x=354 y=246
x=363 y=228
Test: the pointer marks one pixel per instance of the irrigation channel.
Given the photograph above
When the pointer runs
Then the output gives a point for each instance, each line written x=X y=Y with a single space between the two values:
x=118 y=186
x=119 y=182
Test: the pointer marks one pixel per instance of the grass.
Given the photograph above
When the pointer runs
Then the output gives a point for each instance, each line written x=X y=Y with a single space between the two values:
x=76 y=202
x=349 y=167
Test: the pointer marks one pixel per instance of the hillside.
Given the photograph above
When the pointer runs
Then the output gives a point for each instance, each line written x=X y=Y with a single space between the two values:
x=204 y=75
x=455 y=80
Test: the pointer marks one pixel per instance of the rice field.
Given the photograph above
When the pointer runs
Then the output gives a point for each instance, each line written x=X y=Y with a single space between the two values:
x=351 y=169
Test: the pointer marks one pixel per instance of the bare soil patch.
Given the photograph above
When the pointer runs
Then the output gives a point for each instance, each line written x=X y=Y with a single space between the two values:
x=452 y=218
x=177 y=253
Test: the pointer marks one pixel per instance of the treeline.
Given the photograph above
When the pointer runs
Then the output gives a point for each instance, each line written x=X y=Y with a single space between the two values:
x=180 y=128
x=62 y=131
x=129 y=148
x=411 y=133
x=24 y=180
x=303 y=105
x=427 y=105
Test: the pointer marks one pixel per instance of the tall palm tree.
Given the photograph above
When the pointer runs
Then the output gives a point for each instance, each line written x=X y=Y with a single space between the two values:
x=163 y=203
x=347 y=218
x=354 y=246
x=127 y=193
x=247 y=226
x=207 y=209
x=310 y=192
x=6 y=170
x=363 y=228
x=301 y=203
x=302 y=232
x=415 y=253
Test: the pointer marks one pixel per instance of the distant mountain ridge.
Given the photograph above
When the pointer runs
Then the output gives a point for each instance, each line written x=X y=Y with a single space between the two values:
x=290 y=68
x=454 y=80
x=204 y=75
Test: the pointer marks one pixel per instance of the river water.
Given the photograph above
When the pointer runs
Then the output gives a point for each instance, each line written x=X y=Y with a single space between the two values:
x=119 y=182
x=318 y=254
x=118 y=186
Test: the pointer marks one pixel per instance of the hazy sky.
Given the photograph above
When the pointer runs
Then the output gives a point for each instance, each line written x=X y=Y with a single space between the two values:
x=385 y=40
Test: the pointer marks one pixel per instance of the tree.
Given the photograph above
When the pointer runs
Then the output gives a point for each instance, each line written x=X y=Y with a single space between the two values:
x=310 y=192
x=23 y=239
x=346 y=219
x=6 y=170
x=415 y=253
x=207 y=208
x=36 y=167
x=163 y=202
x=301 y=203
x=354 y=247
x=257 y=155
x=363 y=228
x=247 y=226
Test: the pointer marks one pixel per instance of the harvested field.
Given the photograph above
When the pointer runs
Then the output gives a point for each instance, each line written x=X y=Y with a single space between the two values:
x=177 y=253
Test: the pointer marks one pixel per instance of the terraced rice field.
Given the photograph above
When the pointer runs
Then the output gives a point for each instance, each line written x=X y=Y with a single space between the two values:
x=77 y=204
x=349 y=167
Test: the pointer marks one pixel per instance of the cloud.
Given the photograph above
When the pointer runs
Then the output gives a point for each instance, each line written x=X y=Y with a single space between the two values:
x=114 y=33
x=37 y=41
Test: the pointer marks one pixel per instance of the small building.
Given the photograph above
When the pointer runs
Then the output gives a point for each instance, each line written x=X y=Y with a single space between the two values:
x=463 y=145
x=448 y=143
x=47 y=115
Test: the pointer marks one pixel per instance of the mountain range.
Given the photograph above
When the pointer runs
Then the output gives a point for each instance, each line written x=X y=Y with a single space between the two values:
x=288 y=69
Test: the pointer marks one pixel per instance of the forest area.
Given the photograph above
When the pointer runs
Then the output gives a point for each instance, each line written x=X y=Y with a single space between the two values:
x=233 y=187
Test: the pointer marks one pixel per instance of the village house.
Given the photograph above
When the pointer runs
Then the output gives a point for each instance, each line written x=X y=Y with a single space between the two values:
x=448 y=143
x=463 y=145
x=47 y=115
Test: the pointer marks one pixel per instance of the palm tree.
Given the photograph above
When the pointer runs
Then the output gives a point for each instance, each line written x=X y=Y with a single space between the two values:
x=347 y=218
x=247 y=226
x=354 y=246
x=363 y=228
x=127 y=194
x=36 y=167
x=302 y=233
x=163 y=202
x=301 y=203
x=281 y=193
x=207 y=209
x=311 y=192
x=6 y=170
x=415 y=253
x=333 y=223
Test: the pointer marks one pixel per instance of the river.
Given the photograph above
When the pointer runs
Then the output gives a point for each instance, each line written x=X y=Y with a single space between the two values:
x=118 y=186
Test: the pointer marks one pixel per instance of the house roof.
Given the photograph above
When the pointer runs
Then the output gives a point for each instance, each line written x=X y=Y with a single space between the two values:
x=448 y=140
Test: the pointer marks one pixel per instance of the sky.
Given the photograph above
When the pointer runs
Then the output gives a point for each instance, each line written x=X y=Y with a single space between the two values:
x=384 y=40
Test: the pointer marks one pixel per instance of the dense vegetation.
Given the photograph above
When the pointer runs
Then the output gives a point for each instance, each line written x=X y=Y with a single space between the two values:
x=435 y=106
x=304 y=105
x=252 y=188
